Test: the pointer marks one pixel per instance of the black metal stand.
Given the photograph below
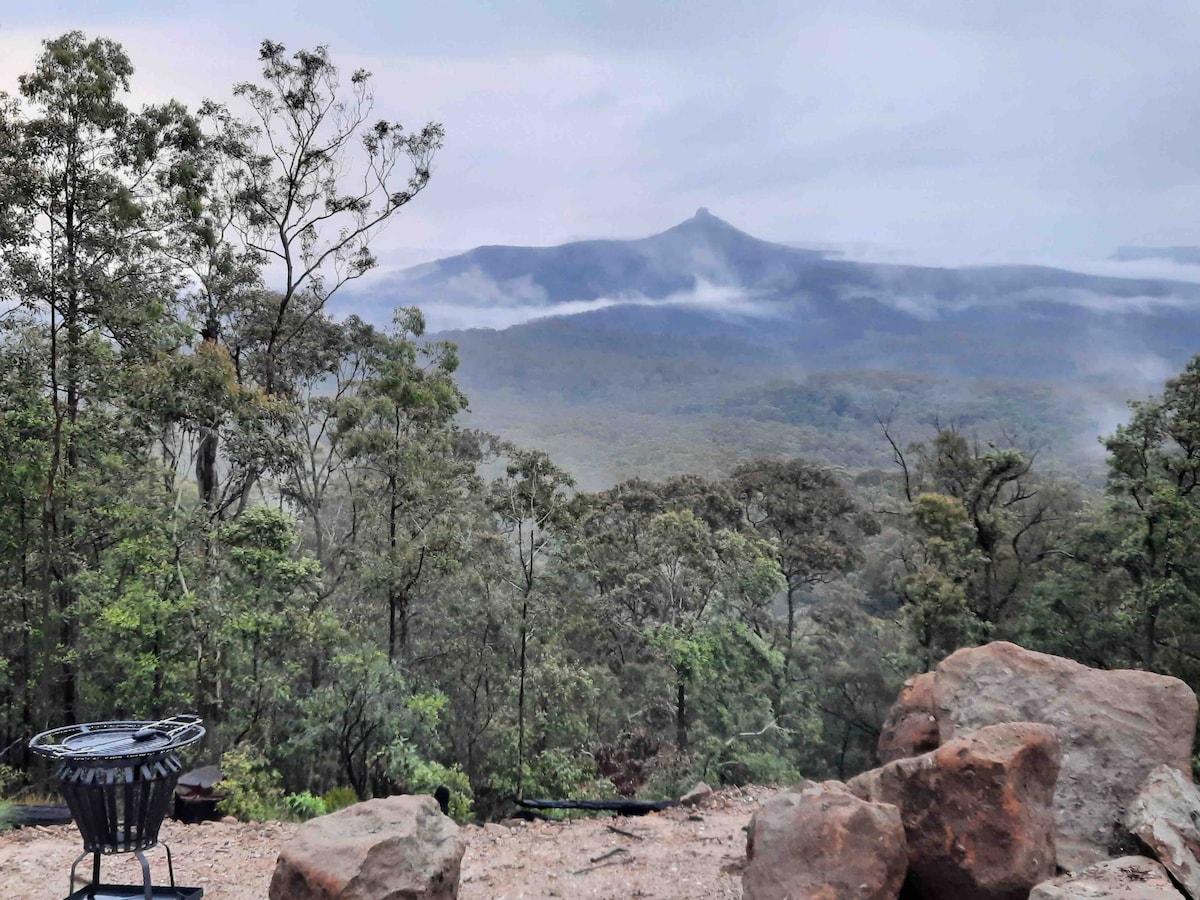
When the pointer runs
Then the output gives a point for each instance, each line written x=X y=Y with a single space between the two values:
x=148 y=890
x=118 y=779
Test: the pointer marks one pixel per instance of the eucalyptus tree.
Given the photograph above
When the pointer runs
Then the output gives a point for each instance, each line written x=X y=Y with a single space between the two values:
x=84 y=189
x=312 y=178
x=226 y=282
x=680 y=592
x=816 y=525
x=696 y=580
x=1016 y=518
x=529 y=502
x=26 y=424
x=1154 y=486
x=411 y=468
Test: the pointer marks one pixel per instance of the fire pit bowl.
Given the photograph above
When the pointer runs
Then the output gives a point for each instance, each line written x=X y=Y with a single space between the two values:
x=118 y=779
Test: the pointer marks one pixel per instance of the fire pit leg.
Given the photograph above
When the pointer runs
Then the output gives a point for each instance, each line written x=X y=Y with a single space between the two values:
x=170 y=866
x=146 y=886
x=95 y=869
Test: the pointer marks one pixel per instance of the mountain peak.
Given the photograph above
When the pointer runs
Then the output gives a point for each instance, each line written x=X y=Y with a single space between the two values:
x=704 y=226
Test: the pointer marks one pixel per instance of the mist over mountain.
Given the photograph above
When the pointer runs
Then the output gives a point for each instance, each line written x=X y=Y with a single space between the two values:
x=701 y=345
x=1188 y=256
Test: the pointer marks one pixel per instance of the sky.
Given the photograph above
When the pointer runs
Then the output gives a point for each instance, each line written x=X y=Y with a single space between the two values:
x=931 y=130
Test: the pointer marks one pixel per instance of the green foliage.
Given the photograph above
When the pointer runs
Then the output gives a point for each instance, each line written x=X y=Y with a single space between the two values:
x=340 y=586
x=671 y=777
x=10 y=779
x=426 y=777
x=305 y=806
x=339 y=798
x=558 y=772
x=8 y=815
x=253 y=789
x=937 y=609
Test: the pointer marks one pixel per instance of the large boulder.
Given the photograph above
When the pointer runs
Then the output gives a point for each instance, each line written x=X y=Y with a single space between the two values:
x=1115 y=727
x=1166 y=818
x=398 y=848
x=824 y=843
x=1127 y=878
x=977 y=812
x=911 y=725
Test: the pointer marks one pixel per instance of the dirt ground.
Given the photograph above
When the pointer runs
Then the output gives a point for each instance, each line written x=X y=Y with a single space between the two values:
x=680 y=854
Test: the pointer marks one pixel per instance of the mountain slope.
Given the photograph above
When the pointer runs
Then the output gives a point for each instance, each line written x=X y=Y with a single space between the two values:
x=707 y=250
x=702 y=344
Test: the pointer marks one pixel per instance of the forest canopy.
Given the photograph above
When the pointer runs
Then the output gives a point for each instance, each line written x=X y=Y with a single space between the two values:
x=216 y=497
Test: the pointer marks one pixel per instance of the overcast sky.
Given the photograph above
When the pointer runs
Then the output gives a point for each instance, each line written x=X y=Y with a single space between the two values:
x=990 y=130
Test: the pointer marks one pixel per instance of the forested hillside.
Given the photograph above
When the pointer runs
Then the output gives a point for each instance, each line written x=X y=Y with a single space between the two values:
x=702 y=346
x=218 y=497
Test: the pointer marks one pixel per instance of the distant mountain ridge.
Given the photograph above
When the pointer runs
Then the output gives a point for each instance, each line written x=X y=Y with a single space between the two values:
x=707 y=250
x=689 y=347
x=702 y=247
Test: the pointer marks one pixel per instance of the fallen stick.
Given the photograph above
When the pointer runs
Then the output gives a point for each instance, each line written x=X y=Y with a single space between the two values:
x=617 y=861
x=617 y=851
x=621 y=831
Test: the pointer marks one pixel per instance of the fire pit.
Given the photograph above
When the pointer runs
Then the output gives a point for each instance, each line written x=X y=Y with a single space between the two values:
x=118 y=779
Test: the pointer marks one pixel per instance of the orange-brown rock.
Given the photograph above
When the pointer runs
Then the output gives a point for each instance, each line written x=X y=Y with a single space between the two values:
x=911 y=726
x=820 y=842
x=977 y=812
x=397 y=848
x=1115 y=727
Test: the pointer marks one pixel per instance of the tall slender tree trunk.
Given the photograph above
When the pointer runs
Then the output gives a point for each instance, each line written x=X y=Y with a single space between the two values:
x=392 y=598
x=681 y=723
x=207 y=478
x=521 y=701
x=64 y=589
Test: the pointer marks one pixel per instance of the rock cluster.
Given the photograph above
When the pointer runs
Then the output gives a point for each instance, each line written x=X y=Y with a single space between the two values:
x=1115 y=728
x=1004 y=768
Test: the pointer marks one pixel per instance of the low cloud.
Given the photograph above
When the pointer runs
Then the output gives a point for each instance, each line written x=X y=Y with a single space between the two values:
x=928 y=308
x=499 y=305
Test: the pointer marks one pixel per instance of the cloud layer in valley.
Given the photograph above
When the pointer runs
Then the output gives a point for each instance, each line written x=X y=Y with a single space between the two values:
x=501 y=306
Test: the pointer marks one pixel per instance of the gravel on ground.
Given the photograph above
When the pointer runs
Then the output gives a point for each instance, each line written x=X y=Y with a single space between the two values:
x=679 y=854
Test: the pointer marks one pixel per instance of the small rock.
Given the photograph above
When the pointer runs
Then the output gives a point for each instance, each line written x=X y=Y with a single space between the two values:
x=699 y=793
x=1127 y=878
x=1164 y=818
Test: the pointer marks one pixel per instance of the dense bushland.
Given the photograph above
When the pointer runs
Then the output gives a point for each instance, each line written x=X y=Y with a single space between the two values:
x=216 y=498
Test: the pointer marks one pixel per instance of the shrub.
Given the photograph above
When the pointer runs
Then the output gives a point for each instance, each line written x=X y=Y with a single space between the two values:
x=305 y=805
x=339 y=798
x=252 y=789
x=8 y=815
x=425 y=777
x=10 y=778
